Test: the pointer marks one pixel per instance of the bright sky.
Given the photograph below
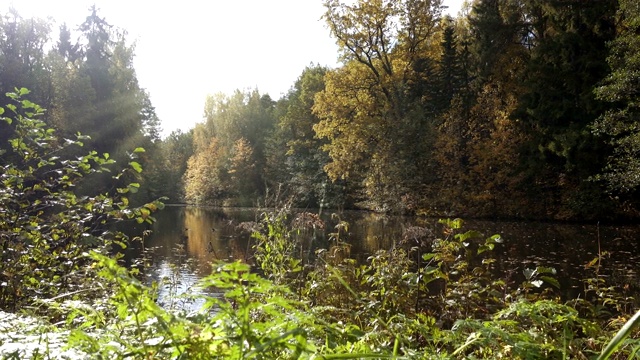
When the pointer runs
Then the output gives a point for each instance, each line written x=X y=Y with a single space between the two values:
x=190 y=48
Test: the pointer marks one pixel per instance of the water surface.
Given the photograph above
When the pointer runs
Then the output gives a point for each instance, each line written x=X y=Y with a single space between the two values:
x=186 y=240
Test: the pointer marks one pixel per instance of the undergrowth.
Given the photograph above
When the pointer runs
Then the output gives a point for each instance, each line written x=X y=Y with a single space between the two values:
x=388 y=307
x=448 y=308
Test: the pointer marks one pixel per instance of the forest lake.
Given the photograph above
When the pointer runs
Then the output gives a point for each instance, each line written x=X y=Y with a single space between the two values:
x=185 y=241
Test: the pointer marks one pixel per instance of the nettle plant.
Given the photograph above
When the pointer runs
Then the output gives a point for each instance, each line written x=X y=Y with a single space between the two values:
x=46 y=227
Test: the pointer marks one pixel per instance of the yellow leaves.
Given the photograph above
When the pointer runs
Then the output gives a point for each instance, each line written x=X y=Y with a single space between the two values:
x=241 y=160
x=378 y=31
x=364 y=111
x=202 y=177
x=353 y=115
x=242 y=151
x=478 y=155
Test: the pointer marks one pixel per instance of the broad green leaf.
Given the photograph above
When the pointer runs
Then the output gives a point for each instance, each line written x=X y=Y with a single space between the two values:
x=133 y=187
x=468 y=235
x=428 y=256
x=136 y=166
x=145 y=212
x=487 y=247
x=151 y=206
x=551 y=281
x=28 y=105
x=546 y=270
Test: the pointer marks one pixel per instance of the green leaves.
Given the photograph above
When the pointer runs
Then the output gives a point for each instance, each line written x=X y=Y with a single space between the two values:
x=40 y=245
x=131 y=188
x=453 y=224
x=490 y=243
x=618 y=126
x=620 y=336
x=536 y=277
x=136 y=166
x=471 y=234
x=379 y=309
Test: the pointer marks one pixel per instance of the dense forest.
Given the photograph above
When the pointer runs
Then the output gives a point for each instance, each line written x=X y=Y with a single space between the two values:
x=514 y=109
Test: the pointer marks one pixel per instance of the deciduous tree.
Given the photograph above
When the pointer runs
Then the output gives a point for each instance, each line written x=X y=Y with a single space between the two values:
x=621 y=88
x=365 y=112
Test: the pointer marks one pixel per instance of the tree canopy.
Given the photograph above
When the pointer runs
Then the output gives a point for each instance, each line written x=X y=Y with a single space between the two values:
x=516 y=108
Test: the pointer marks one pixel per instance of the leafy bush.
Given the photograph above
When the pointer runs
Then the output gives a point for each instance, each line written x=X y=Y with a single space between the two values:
x=544 y=329
x=46 y=227
x=252 y=318
x=276 y=248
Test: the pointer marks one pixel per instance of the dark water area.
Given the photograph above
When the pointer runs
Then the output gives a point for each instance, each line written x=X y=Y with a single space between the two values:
x=185 y=241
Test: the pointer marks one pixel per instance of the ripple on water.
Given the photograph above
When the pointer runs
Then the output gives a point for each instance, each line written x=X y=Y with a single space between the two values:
x=178 y=287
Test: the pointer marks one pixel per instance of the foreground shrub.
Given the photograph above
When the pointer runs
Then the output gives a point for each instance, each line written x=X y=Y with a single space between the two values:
x=46 y=227
x=544 y=329
x=340 y=314
x=252 y=318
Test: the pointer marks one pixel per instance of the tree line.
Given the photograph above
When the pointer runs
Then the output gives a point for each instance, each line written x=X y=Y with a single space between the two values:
x=514 y=109
x=87 y=85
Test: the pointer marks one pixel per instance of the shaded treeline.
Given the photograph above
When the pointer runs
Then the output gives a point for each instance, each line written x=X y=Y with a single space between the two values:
x=87 y=85
x=517 y=108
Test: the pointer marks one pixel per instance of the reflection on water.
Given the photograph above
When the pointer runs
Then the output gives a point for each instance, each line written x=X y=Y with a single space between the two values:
x=215 y=235
x=186 y=240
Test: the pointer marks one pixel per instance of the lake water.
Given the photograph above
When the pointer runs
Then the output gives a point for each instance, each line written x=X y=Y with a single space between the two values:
x=186 y=240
